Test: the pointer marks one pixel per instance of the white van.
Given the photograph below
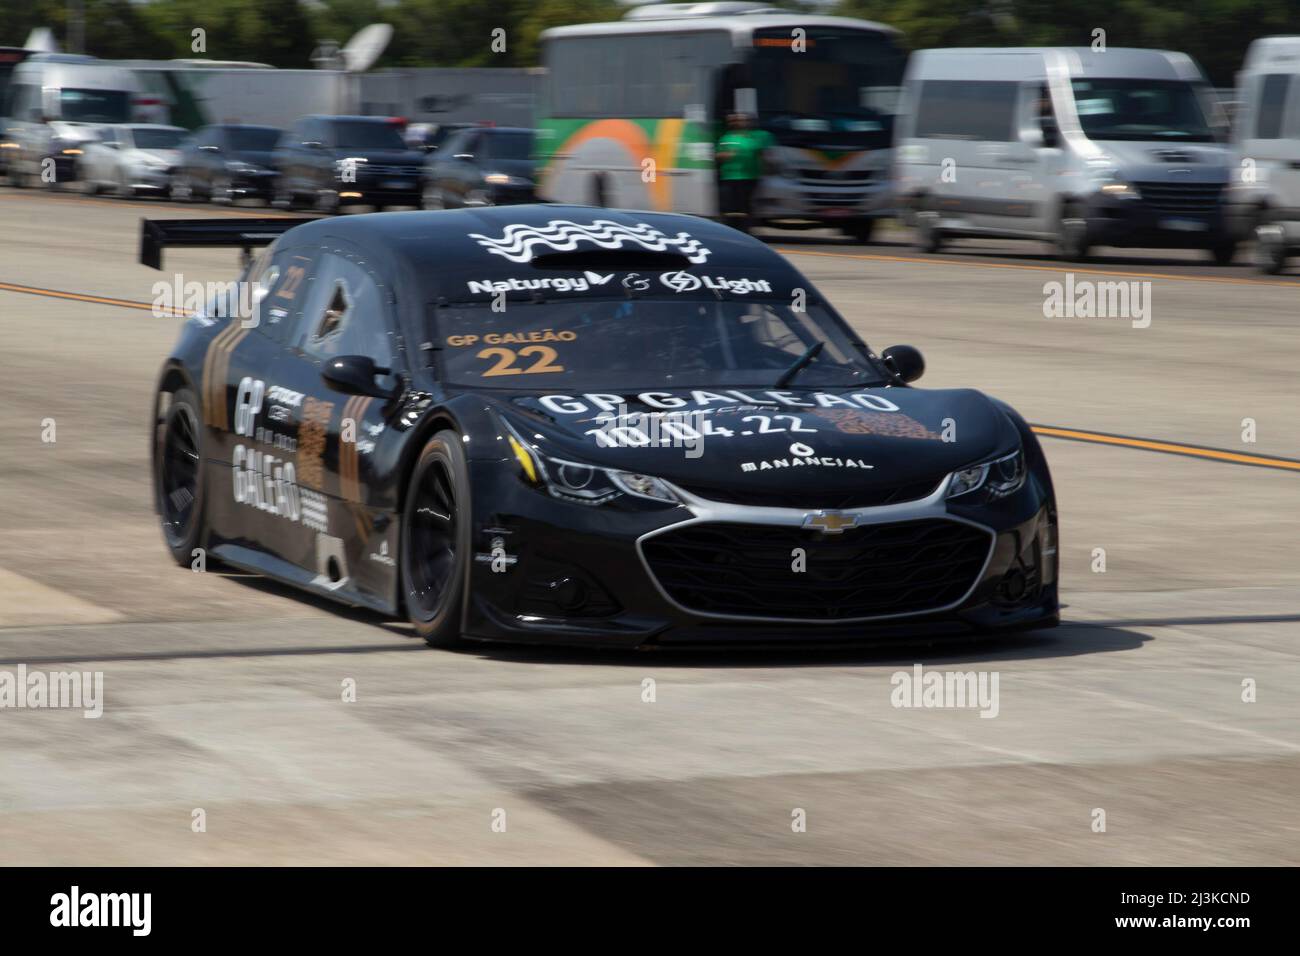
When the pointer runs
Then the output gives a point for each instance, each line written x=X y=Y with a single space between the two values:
x=1264 y=198
x=1077 y=147
x=55 y=104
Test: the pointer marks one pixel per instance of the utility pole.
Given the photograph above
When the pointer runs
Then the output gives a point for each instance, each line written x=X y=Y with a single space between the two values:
x=76 y=26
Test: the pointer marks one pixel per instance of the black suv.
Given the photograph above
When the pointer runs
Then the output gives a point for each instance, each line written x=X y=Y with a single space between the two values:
x=334 y=161
x=226 y=162
x=480 y=166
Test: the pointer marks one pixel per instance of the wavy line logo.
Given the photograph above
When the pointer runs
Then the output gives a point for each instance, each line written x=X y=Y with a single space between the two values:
x=520 y=242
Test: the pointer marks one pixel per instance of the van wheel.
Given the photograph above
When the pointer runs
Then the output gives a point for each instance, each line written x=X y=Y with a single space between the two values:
x=1270 y=245
x=435 y=544
x=929 y=237
x=1072 y=235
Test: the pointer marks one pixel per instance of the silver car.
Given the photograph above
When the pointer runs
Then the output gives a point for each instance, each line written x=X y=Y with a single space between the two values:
x=130 y=159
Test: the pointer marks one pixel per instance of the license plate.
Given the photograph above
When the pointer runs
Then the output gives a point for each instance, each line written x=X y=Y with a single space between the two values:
x=397 y=184
x=1184 y=225
x=836 y=213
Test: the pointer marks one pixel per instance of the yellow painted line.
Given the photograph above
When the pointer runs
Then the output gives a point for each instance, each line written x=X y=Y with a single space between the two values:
x=81 y=297
x=1172 y=448
x=1027 y=267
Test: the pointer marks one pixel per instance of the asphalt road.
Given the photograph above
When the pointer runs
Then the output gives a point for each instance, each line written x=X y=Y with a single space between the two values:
x=224 y=692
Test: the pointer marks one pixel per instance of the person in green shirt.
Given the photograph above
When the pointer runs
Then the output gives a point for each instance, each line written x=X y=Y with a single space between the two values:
x=740 y=167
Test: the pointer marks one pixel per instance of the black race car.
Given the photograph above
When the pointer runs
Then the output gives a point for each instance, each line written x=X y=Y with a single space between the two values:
x=572 y=425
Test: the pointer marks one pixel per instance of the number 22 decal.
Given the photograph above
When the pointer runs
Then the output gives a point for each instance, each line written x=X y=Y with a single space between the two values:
x=506 y=360
x=766 y=423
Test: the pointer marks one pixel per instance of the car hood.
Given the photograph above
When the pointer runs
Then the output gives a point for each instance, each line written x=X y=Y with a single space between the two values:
x=521 y=168
x=833 y=441
x=386 y=157
x=169 y=156
x=261 y=158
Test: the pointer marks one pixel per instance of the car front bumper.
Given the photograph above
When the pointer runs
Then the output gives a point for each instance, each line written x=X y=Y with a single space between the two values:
x=554 y=572
x=1156 y=222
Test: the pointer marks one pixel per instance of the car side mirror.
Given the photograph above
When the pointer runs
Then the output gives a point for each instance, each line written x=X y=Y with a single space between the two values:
x=904 y=361
x=355 y=375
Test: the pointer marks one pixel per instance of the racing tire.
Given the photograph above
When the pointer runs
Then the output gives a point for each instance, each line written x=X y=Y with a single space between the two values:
x=861 y=230
x=178 y=476
x=435 y=541
x=1072 y=235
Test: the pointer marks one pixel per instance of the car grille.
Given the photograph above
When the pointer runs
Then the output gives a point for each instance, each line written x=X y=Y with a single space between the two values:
x=745 y=570
x=811 y=500
x=1181 y=197
x=836 y=177
x=380 y=170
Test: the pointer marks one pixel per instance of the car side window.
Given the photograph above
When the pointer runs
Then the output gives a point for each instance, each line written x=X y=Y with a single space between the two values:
x=346 y=312
x=280 y=288
x=455 y=145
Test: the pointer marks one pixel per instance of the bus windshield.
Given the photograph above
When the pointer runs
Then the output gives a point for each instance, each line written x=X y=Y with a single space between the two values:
x=95 y=106
x=841 y=87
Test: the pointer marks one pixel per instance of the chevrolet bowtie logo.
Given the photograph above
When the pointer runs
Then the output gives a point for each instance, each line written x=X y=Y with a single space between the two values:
x=830 y=522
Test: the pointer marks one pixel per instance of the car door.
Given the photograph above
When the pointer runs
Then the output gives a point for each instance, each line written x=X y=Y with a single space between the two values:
x=250 y=443
x=96 y=161
x=345 y=440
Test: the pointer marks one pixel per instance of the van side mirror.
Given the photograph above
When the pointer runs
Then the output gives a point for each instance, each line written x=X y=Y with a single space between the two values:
x=904 y=361
x=355 y=375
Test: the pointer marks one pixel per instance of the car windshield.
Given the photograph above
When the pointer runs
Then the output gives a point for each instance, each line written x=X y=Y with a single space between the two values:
x=1141 y=110
x=510 y=145
x=95 y=106
x=646 y=343
x=251 y=139
x=360 y=134
x=157 y=138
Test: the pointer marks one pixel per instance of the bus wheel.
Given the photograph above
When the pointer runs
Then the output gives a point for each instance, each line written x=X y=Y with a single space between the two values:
x=861 y=230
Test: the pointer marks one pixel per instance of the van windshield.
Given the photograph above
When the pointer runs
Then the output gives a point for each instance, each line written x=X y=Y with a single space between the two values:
x=95 y=106
x=1141 y=110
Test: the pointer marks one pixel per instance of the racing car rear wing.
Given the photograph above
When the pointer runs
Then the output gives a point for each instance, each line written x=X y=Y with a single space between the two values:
x=245 y=234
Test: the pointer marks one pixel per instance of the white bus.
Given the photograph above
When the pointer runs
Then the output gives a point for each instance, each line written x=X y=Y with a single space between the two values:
x=631 y=111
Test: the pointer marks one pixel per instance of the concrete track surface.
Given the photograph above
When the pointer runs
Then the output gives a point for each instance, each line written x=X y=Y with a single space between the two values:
x=223 y=692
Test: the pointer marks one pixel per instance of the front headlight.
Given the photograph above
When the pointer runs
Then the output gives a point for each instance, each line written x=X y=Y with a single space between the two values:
x=999 y=477
x=582 y=483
